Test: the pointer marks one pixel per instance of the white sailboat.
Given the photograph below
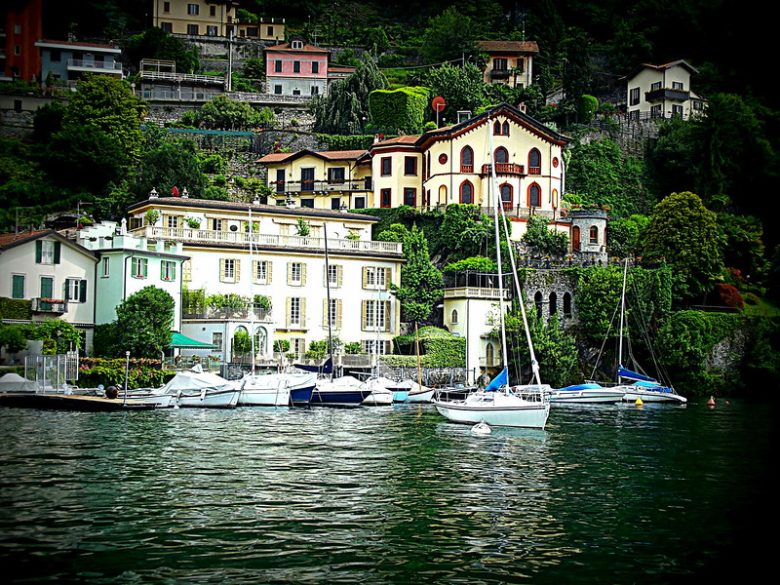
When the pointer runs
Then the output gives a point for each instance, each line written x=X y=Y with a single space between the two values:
x=499 y=404
x=636 y=384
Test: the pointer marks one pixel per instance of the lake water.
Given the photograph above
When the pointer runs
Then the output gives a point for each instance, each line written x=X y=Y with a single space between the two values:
x=609 y=494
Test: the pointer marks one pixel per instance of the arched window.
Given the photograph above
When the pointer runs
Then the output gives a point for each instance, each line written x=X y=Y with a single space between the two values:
x=534 y=195
x=505 y=129
x=467 y=160
x=575 y=238
x=500 y=156
x=466 y=192
x=261 y=340
x=442 y=195
x=594 y=234
x=538 y=302
x=567 y=304
x=489 y=354
x=554 y=198
x=553 y=303
x=534 y=162
x=496 y=128
x=506 y=196
x=454 y=317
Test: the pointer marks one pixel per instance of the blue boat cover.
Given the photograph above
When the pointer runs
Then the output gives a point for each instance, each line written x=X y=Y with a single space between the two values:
x=577 y=387
x=624 y=373
x=502 y=379
x=325 y=368
x=653 y=386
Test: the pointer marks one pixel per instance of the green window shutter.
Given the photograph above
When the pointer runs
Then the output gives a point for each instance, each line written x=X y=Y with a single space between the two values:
x=57 y=251
x=18 y=286
x=173 y=270
x=83 y=291
x=145 y=265
x=47 y=287
x=38 y=251
x=162 y=270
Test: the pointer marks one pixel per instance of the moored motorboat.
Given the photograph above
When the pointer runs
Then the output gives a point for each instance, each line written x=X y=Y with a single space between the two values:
x=264 y=390
x=380 y=395
x=198 y=389
x=651 y=391
x=344 y=391
x=588 y=393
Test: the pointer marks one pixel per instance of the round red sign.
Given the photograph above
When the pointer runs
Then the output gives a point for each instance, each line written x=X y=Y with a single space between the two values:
x=438 y=104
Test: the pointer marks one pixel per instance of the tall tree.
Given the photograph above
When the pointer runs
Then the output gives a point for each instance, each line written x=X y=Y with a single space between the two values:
x=461 y=87
x=421 y=282
x=143 y=322
x=449 y=36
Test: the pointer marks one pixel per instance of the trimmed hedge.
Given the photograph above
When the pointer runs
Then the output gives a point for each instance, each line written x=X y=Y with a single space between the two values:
x=19 y=309
x=399 y=110
x=143 y=373
x=341 y=142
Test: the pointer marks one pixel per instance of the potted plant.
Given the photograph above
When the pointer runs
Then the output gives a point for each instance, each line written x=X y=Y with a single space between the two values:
x=192 y=222
x=151 y=216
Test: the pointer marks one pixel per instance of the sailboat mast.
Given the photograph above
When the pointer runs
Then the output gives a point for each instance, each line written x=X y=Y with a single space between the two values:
x=251 y=291
x=498 y=247
x=622 y=315
x=327 y=289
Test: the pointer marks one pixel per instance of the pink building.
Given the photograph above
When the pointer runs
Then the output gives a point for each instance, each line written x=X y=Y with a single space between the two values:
x=296 y=68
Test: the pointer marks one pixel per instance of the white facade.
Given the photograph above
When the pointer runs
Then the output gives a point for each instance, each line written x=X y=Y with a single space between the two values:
x=662 y=91
x=55 y=274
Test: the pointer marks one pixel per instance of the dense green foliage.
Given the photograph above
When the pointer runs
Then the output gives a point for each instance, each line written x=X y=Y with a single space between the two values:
x=461 y=87
x=155 y=43
x=400 y=110
x=625 y=236
x=542 y=241
x=421 y=281
x=141 y=373
x=142 y=326
x=473 y=264
x=449 y=36
x=223 y=113
x=17 y=309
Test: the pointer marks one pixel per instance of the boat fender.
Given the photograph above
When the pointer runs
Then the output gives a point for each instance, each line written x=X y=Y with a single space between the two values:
x=711 y=402
x=639 y=402
x=481 y=428
x=112 y=392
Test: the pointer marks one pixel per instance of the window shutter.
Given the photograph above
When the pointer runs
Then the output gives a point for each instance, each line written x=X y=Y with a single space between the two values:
x=66 y=290
x=287 y=311
x=289 y=273
x=364 y=314
x=303 y=274
x=255 y=268
x=325 y=277
x=325 y=312
x=387 y=315
x=57 y=252
x=145 y=264
x=388 y=277
x=222 y=270
x=173 y=270
x=388 y=347
x=339 y=276
x=162 y=270
x=338 y=313
x=303 y=312
x=186 y=271
x=38 y=251
x=83 y=291
x=269 y=271
x=237 y=271
x=365 y=276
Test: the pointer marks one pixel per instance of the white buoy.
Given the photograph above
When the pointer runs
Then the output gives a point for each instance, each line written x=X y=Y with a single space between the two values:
x=481 y=428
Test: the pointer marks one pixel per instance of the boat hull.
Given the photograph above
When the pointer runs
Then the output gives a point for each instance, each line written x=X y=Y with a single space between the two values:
x=379 y=398
x=350 y=397
x=631 y=394
x=301 y=396
x=600 y=396
x=209 y=399
x=400 y=395
x=264 y=397
x=533 y=417
x=426 y=396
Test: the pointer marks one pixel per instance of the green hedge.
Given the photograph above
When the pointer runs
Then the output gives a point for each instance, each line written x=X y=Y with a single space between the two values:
x=15 y=309
x=341 y=142
x=399 y=110
x=143 y=373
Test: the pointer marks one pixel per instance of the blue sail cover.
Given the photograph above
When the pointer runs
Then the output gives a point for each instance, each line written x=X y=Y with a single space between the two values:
x=325 y=368
x=624 y=373
x=501 y=380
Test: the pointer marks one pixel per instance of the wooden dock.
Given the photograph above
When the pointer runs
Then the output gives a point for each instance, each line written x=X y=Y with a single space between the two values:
x=67 y=402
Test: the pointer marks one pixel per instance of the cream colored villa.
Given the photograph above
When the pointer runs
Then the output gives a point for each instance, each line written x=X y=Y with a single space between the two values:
x=440 y=167
x=662 y=91
x=285 y=264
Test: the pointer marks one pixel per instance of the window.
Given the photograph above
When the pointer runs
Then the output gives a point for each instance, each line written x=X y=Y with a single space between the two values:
x=553 y=303
x=567 y=304
x=139 y=267
x=454 y=318
x=633 y=115
x=410 y=165
x=47 y=252
x=229 y=270
x=634 y=97
x=315 y=67
x=534 y=162
x=467 y=160
x=655 y=86
x=294 y=313
x=575 y=238
x=677 y=85
x=251 y=31
x=496 y=128
x=167 y=26
x=193 y=29
x=212 y=10
x=270 y=31
x=216 y=339
x=55 y=56
x=331 y=313
x=410 y=196
x=18 y=106
x=534 y=195
x=376 y=346
x=296 y=66
x=336 y=175
x=500 y=64
x=277 y=66
x=335 y=203
x=168 y=270
x=76 y=290
x=489 y=354
x=47 y=287
x=656 y=111
x=193 y=9
x=385 y=200
x=360 y=203
x=308 y=203
x=375 y=277
x=17 y=288
x=166 y=6
x=212 y=31
x=296 y=273
x=296 y=92
x=387 y=168
x=376 y=315
x=335 y=275
x=17 y=49
x=173 y=221
x=466 y=192
x=278 y=89
x=297 y=44
x=538 y=302
x=315 y=90
x=262 y=272
x=506 y=196
x=677 y=111
x=505 y=128
x=594 y=235
x=501 y=156
x=216 y=225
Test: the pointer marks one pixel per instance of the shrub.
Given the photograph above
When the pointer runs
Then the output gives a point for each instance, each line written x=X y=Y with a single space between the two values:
x=729 y=296
x=400 y=109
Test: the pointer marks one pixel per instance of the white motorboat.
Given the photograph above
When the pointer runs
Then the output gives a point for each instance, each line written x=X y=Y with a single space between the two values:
x=588 y=393
x=380 y=394
x=199 y=389
x=264 y=390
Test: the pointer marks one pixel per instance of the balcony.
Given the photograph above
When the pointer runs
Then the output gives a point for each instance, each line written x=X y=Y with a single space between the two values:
x=110 y=67
x=319 y=186
x=504 y=169
x=474 y=292
x=475 y=285
x=47 y=305
x=673 y=95
x=222 y=314
x=500 y=73
x=241 y=240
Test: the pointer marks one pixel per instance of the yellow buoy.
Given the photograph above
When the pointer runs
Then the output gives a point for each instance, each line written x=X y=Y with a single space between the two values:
x=639 y=402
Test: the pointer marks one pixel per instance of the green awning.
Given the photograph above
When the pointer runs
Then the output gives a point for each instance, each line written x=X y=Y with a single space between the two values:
x=179 y=341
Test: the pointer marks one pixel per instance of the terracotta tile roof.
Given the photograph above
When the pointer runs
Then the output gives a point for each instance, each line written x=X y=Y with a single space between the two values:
x=278 y=157
x=77 y=44
x=341 y=154
x=341 y=69
x=410 y=139
x=275 y=157
x=9 y=240
x=508 y=46
x=305 y=49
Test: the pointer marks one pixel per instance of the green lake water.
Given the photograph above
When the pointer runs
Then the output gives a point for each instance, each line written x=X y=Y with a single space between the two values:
x=608 y=494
